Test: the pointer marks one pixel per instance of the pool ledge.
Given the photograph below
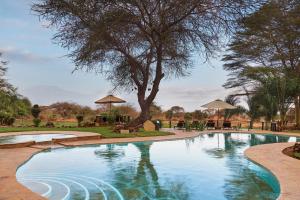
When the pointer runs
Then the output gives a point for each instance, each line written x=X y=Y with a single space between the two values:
x=285 y=168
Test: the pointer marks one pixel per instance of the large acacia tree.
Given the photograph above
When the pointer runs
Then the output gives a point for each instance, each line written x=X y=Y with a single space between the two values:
x=137 y=43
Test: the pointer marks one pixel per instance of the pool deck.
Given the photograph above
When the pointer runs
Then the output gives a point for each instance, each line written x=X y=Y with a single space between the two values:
x=285 y=168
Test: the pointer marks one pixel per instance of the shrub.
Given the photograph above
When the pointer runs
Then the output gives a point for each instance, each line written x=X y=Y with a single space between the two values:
x=36 y=122
x=79 y=119
x=50 y=125
x=10 y=121
x=6 y=119
x=35 y=111
x=201 y=126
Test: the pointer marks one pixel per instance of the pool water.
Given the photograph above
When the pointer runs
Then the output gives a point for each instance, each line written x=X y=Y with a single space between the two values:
x=37 y=138
x=206 y=167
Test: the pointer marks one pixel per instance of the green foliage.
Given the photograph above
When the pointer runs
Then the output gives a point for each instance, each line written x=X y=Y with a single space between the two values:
x=188 y=116
x=169 y=114
x=177 y=111
x=264 y=58
x=80 y=119
x=35 y=111
x=199 y=115
x=6 y=119
x=36 y=122
x=233 y=100
x=200 y=126
x=49 y=125
x=297 y=155
x=11 y=103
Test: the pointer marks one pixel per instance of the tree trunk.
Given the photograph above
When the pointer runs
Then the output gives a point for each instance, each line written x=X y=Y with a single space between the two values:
x=251 y=124
x=144 y=116
x=145 y=102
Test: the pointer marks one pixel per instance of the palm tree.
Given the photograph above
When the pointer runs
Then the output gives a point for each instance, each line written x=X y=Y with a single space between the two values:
x=233 y=100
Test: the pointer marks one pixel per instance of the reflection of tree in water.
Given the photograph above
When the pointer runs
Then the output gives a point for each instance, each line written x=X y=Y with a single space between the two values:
x=230 y=147
x=110 y=152
x=245 y=183
x=142 y=182
x=189 y=142
x=267 y=139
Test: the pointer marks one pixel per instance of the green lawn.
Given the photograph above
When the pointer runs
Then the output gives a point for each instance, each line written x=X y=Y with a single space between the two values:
x=27 y=122
x=106 y=132
x=294 y=131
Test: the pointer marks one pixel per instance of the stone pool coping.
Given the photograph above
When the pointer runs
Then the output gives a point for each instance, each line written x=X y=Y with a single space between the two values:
x=12 y=158
x=285 y=168
x=77 y=136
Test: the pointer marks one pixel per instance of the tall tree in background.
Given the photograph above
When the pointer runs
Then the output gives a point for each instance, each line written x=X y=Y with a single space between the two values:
x=11 y=103
x=265 y=53
x=138 y=43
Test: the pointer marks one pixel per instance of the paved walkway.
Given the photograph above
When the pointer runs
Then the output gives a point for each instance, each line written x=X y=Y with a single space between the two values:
x=11 y=159
x=285 y=168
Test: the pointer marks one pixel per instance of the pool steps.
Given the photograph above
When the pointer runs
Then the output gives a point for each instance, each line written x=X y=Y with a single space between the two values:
x=53 y=141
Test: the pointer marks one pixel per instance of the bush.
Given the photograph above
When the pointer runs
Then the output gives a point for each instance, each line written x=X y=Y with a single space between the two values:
x=50 y=125
x=6 y=119
x=36 y=122
x=201 y=126
x=89 y=124
x=35 y=111
x=10 y=121
x=79 y=119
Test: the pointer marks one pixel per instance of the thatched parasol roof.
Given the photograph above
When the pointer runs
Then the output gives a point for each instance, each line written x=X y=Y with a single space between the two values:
x=109 y=100
x=218 y=104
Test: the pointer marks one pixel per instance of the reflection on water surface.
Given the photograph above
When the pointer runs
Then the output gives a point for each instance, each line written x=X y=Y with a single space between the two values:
x=206 y=167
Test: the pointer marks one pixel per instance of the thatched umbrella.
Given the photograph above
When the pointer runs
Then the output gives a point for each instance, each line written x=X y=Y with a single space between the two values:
x=219 y=105
x=110 y=99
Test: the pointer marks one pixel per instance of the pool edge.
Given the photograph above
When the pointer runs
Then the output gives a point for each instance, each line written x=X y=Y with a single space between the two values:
x=284 y=168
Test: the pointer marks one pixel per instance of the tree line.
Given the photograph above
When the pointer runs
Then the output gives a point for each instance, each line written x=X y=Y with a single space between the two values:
x=263 y=59
x=12 y=104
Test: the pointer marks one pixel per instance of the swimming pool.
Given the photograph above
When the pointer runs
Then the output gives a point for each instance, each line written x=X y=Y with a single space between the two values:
x=13 y=139
x=210 y=166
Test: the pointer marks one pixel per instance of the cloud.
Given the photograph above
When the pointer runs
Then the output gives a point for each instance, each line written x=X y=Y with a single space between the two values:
x=190 y=98
x=14 y=54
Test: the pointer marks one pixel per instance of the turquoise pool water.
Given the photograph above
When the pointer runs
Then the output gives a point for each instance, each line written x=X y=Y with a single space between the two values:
x=208 y=167
x=26 y=138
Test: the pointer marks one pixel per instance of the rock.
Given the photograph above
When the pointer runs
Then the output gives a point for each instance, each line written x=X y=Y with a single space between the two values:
x=149 y=126
x=124 y=131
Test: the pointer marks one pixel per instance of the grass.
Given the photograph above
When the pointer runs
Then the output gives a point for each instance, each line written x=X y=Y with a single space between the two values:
x=294 y=131
x=106 y=132
x=27 y=122
x=297 y=155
